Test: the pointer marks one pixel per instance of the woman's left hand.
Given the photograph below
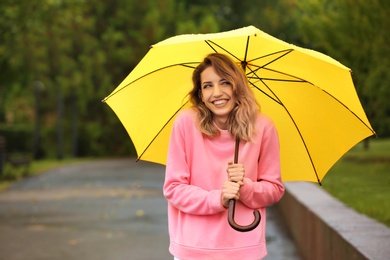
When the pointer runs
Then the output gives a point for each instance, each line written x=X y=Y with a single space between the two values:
x=236 y=173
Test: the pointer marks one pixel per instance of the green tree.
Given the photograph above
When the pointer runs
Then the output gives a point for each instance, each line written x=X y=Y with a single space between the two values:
x=274 y=17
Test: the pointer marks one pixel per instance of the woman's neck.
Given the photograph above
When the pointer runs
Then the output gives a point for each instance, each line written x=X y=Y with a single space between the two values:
x=221 y=124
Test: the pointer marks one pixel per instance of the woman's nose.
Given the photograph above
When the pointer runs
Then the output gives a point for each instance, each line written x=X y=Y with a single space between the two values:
x=217 y=90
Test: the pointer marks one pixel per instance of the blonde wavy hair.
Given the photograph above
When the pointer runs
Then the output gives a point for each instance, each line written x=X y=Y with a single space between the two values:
x=241 y=120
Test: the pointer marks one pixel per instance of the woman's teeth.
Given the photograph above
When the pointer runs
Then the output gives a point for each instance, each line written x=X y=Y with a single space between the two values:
x=219 y=102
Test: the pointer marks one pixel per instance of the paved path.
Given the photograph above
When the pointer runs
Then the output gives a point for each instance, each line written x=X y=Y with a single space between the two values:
x=112 y=209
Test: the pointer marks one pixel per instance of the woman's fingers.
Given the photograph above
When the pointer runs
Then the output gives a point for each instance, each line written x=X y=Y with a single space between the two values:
x=230 y=190
x=236 y=172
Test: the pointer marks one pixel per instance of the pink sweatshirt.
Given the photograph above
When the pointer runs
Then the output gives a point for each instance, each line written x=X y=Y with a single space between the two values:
x=195 y=173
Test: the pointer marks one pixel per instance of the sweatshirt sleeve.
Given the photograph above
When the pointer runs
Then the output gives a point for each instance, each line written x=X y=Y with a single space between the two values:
x=177 y=188
x=268 y=189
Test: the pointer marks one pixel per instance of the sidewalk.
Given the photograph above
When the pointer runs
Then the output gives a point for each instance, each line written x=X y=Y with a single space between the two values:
x=112 y=209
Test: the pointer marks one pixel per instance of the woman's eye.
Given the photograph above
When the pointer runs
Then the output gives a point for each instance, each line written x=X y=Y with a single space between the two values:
x=206 y=86
x=226 y=83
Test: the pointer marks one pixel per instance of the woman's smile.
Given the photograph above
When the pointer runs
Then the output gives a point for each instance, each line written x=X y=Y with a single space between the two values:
x=220 y=102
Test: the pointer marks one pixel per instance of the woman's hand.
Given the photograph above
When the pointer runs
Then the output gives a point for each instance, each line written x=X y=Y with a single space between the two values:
x=230 y=190
x=236 y=173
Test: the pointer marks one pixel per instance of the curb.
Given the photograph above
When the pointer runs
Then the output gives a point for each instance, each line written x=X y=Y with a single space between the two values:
x=324 y=228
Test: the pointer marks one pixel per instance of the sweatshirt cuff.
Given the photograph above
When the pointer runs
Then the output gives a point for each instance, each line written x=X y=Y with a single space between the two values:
x=246 y=190
x=216 y=200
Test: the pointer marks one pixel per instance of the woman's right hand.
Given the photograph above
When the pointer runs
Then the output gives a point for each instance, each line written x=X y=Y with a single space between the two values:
x=230 y=190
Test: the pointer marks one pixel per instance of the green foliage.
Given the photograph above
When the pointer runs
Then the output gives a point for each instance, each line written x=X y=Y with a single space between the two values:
x=11 y=173
x=80 y=50
x=361 y=180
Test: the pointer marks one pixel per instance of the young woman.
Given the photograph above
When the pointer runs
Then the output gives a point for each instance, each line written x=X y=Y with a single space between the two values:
x=201 y=177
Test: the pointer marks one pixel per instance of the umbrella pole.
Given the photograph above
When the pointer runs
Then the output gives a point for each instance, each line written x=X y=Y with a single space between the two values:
x=232 y=206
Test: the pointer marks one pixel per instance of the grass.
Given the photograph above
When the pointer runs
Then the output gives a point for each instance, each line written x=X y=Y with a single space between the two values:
x=38 y=167
x=361 y=180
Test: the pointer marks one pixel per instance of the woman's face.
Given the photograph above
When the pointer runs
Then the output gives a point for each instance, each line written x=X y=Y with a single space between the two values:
x=217 y=95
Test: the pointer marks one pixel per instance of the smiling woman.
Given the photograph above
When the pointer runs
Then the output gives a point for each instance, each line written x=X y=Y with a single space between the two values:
x=201 y=177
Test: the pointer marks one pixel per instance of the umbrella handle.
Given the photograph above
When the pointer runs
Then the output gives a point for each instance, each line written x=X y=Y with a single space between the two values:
x=234 y=225
x=232 y=206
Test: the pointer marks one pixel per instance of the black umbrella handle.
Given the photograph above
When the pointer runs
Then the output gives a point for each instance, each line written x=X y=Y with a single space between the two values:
x=232 y=206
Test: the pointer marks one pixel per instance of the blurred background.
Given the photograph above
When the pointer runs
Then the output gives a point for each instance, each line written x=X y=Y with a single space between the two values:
x=60 y=58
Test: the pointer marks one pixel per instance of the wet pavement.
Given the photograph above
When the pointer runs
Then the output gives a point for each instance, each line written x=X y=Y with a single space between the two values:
x=110 y=209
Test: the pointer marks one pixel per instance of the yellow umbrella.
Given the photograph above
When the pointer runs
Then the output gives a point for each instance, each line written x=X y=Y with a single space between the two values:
x=310 y=97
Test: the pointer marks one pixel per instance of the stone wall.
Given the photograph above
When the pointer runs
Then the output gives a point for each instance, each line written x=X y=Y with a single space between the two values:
x=324 y=228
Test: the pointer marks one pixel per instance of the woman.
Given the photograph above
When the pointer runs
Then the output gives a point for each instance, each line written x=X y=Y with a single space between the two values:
x=201 y=177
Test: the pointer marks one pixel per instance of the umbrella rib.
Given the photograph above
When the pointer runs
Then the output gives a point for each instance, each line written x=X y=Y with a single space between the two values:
x=285 y=52
x=147 y=74
x=246 y=48
x=279 y=72
x=272 y=79
x=174 y=114
x=244 y=62
x=209 y=44
x=353 y=113
x=262 y=80
x=254 y=85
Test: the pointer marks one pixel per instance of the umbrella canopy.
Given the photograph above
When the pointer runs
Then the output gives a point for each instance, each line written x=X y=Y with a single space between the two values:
x=310 y=97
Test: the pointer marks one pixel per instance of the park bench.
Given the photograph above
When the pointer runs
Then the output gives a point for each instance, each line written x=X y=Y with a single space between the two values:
x=15 y=159
x=19 y=160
